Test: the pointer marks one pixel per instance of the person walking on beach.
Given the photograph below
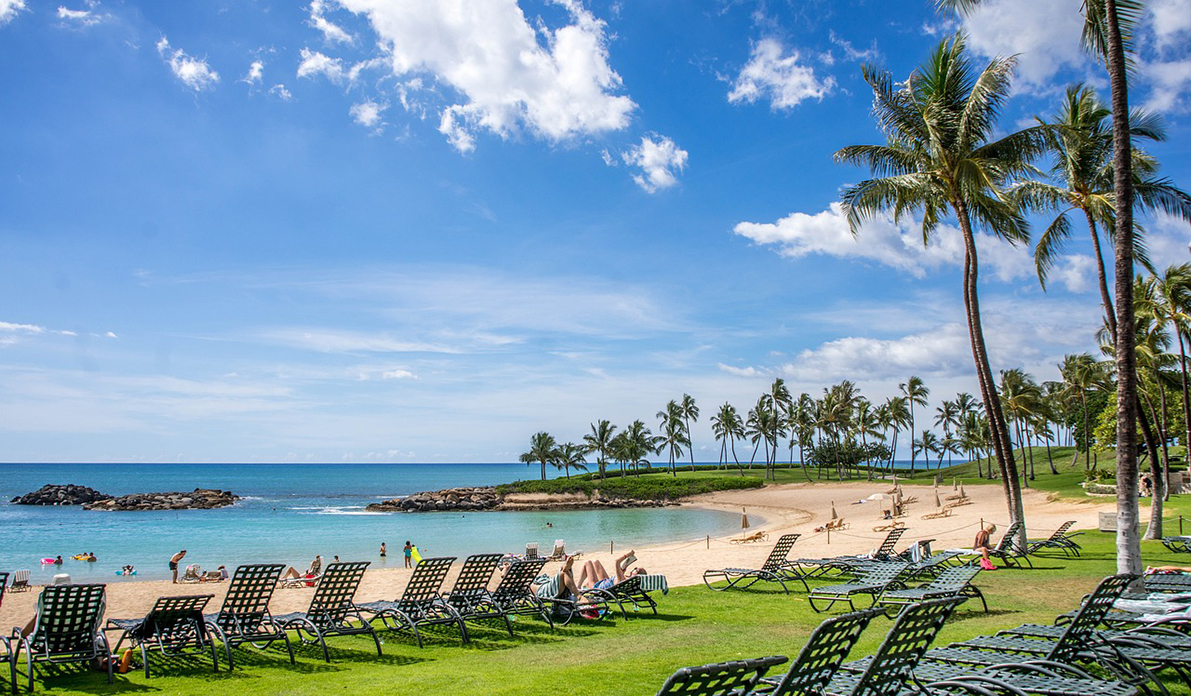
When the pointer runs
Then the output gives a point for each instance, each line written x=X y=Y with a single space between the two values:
x=408 y=551
x=174 y=560
x=382 y=549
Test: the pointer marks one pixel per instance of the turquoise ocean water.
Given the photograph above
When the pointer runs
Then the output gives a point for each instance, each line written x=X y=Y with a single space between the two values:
x=290 y=512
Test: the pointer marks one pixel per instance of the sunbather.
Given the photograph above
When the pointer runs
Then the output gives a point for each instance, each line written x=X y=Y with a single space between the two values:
x=316 y=567
x=595 y=574
x=983 y=543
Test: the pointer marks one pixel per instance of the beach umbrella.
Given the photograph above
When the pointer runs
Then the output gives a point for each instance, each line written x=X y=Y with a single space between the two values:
x=955 y=484
x=834 y=514
x=744 y=522
x=876 y=496
x=961 y=491
x=938 y=503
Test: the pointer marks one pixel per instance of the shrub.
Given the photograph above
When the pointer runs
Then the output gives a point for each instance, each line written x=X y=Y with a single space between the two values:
x=634 y=488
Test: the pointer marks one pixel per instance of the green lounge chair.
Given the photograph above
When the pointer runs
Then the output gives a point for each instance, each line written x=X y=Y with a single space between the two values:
x=889 y=671
x=470 y=596
x=9 y=660
x=719 y=679
x=1177 y=544
x=1079 y=643
x=822 y=655
x=885 y=551
x=65 y=629
x=1061 y=540
x=173 y=627
x=951 y=582
x=632 y=592
x=872 y=582
x=514 y=594
x=776 y=569
x=420 y=604
x=244 y=616
x=332 y=611
x=3 y=584
x=20 y=581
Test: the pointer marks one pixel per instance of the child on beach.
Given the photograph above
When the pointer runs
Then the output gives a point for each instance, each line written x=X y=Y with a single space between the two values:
x=408 y=551
x=382 y=549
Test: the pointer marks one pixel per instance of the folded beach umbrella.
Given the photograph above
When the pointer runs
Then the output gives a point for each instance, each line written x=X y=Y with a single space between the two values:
x=744 y=521
x=834 y=514
x=961 y=491
x=938 y=503
x=955 y=484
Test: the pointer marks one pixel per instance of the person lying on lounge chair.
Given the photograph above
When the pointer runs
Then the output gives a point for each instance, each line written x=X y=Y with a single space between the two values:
x=316 y=567
x=594 y=574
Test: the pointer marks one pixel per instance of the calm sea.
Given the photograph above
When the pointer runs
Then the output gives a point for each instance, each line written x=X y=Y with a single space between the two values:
x=290 y=512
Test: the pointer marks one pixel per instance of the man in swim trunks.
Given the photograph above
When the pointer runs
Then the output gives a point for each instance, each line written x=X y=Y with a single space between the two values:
x=174 y=560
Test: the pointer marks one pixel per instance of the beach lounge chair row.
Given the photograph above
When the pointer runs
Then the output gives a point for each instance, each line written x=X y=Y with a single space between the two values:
x=67 y=628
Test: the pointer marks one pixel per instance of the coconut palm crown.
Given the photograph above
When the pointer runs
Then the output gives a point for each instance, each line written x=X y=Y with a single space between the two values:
x=940 y=160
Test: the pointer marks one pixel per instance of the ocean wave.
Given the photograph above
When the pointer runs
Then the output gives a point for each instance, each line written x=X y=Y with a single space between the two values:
x=332 y=510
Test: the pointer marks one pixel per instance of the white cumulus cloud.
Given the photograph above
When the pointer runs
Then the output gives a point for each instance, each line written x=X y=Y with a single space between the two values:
x=774 y=75
x=9 y=10
x=256 y=72
x=658 y=159
x=508 y=73
x=1171 y=20
x=895 y=244
x=195 y=73
x=368 y=114
x=1044 y=35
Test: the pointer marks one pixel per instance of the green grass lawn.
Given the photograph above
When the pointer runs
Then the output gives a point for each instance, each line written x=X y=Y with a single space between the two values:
x=618 y=657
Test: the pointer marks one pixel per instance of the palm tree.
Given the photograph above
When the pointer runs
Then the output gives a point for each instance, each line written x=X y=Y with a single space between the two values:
x=1021 y=399
x=638 y=444
x=727 y=426
x=899 y=417
x=690 y=412
x=599 y=440
x=940 y=158
x=802 y=424
x=1108 y=35
x=1081 y=374
x=915 y=392
x=947 y=416
x=542 y=449
x=1170 y=306
x=782 y=403
x=671 y=429
x=1081 y=145
x=929 y=442
x=570 y=456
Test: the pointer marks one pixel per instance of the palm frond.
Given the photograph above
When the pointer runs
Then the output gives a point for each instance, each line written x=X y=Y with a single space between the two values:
x=1049 y=245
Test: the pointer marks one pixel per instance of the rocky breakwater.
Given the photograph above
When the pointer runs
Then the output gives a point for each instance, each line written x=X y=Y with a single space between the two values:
x=487 y=498
x=198 y=499
x=474 y=498
x=55 y=494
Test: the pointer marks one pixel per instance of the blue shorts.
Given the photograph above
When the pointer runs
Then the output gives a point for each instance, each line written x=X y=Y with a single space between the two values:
x=605 y=584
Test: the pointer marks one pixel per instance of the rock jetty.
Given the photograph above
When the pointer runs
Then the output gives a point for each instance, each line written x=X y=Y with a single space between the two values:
x=198 y=499
x=91 y=499
x=486 y=498
x=54 y=494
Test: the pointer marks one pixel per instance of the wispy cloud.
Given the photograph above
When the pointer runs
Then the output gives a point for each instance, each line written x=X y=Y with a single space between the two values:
x=195 y=73
x=781 y=78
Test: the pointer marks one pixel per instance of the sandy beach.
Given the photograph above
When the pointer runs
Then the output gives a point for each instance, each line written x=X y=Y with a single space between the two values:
x=776 y=509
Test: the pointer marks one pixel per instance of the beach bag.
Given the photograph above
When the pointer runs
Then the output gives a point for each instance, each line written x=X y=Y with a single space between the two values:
x=986 y=564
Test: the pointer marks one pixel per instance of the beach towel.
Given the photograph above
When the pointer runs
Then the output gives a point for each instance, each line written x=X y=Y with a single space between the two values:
x=417 y=557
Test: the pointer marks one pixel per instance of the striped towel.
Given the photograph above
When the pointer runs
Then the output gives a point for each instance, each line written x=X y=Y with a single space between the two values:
x=547 y=586
x=653 y=583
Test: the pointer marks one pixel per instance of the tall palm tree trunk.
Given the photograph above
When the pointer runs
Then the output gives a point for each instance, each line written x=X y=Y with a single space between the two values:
x=984 y=377
x=1186 y=401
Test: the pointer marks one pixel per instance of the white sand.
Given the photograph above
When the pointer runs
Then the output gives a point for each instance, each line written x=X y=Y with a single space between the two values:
x=784 y=508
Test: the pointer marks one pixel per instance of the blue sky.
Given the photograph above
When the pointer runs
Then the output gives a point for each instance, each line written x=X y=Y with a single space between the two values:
x=385 y=230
